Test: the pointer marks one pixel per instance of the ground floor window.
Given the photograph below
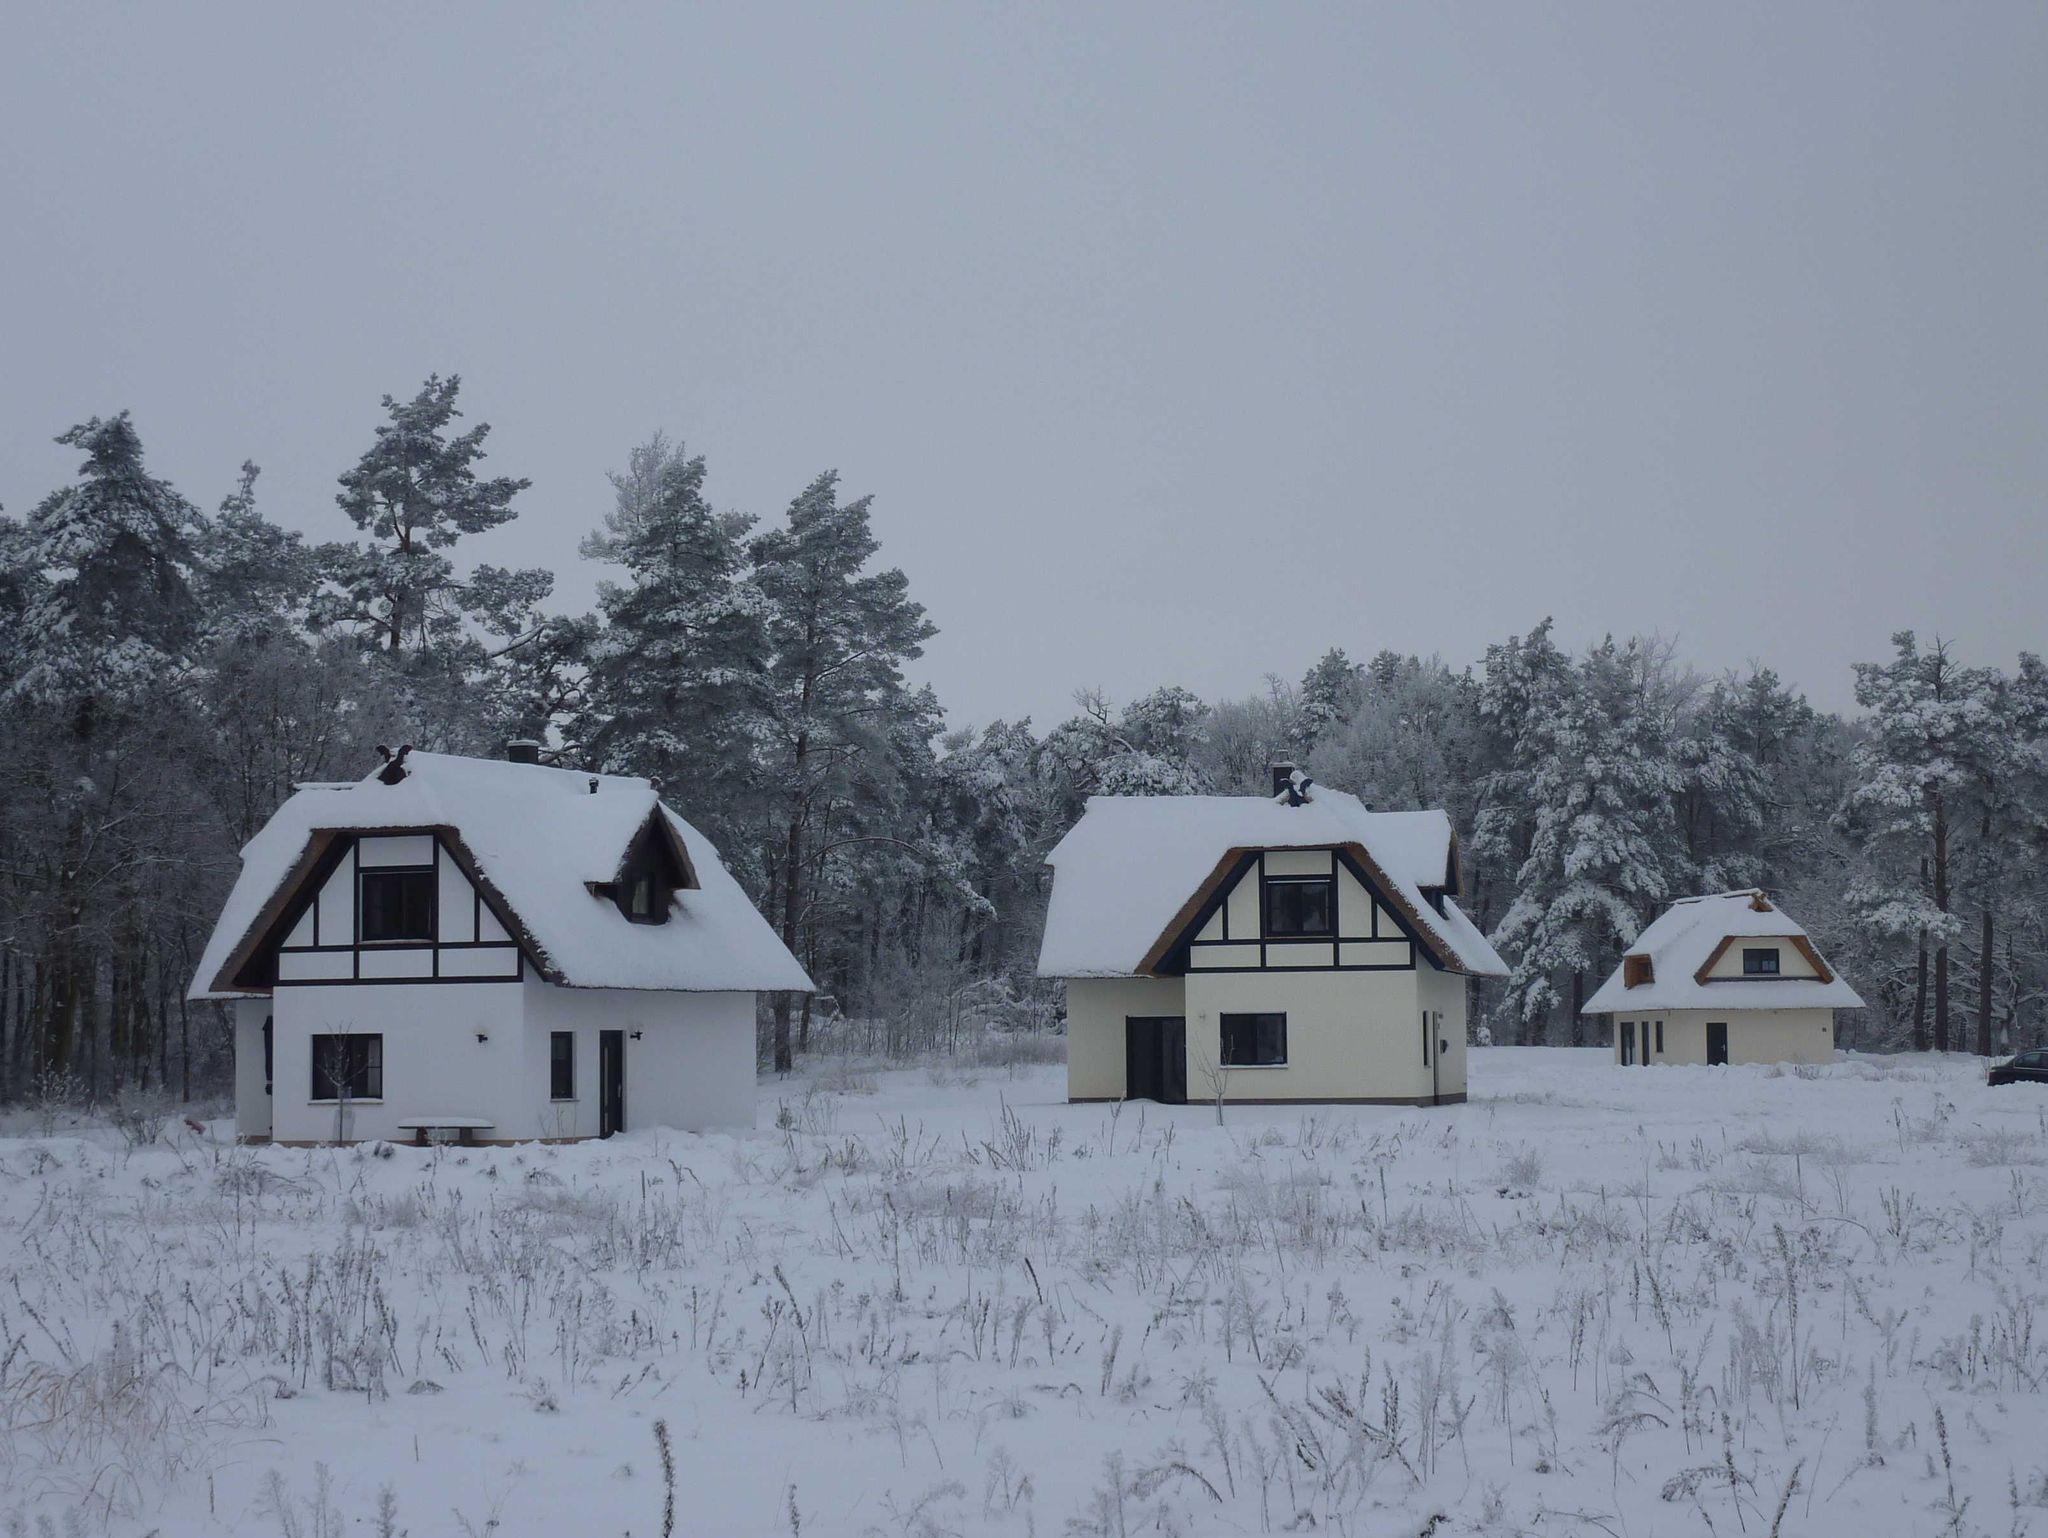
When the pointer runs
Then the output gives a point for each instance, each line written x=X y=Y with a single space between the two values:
x=1660 y=1038
x=348 y=1067
x=1628 y=1042
x=1254 y=1041
x=562 y=1065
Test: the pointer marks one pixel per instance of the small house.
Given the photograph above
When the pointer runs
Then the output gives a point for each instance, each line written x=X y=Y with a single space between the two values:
x=1251 y=949
x=489 y=949
x=1729 y=978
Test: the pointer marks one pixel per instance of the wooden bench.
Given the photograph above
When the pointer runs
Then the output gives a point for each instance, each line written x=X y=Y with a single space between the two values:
x=465 y=1128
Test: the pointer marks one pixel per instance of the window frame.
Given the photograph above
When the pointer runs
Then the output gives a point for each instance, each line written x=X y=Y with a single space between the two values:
x=428 y=881
x=1756 y=954
x=1270 y=886
x=1224 y=1037
x=558 y=1061
x=369 y=1046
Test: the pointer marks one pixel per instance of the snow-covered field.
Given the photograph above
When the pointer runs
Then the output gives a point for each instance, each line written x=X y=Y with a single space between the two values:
x=1592 y=1300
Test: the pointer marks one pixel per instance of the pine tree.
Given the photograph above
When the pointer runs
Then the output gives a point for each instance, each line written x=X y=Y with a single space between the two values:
x=671 y=690
x=415 y=493
x=1331 y=693
x=103 y=575
x=838 y=636
x=1600 y=781
x=1929 y=726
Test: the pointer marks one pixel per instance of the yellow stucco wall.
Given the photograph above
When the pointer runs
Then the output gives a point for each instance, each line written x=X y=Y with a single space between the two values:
x=1350 y=1035
x=1096 y=1009
x=1754 y=1035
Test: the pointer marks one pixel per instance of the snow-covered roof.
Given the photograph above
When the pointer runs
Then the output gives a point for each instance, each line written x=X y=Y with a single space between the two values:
x=1681 y=941
x=1124 y=872
x=537 y=838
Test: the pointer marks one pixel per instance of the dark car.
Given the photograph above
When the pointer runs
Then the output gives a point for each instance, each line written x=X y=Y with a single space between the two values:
x=2027 y=1068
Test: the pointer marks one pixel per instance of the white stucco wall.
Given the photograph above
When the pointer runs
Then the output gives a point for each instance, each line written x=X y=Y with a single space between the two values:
x=692 y=1068
x=252 y=1099
x=433 y=1063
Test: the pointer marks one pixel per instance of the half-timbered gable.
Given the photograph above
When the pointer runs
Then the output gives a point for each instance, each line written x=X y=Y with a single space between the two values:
x=500 y=947
x=1297 y=948
x=395 y=907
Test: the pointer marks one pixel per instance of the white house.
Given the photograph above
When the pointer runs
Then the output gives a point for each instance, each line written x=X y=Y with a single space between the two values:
x=1730 y=978
x=1298 y=948
x=497 y=948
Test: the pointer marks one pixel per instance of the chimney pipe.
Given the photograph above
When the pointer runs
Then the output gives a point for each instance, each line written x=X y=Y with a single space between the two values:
x=1283 y=776
x=523 y=750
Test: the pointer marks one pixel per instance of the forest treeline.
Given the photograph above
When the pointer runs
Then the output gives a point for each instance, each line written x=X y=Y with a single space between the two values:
x=170 y=673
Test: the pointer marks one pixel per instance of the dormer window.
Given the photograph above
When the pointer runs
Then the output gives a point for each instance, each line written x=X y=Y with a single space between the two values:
x=1298 y=905
x=650 y=877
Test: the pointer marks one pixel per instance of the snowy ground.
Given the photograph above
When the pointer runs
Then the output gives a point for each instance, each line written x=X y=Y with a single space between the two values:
x=1593 y=1300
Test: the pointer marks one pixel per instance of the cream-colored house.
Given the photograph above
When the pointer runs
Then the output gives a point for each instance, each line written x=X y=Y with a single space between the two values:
x=1302 y=948
x=1730 y=978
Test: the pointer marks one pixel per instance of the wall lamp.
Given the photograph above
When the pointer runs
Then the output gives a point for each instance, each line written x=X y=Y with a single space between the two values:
x=483 y=1036
x=635 y=1035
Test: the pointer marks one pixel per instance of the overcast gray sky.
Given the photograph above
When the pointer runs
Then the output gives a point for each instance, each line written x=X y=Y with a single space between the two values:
x=1177 y=343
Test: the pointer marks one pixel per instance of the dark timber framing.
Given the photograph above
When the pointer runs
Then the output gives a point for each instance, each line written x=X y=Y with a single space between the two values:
x=347 y=849
x=1251 y=865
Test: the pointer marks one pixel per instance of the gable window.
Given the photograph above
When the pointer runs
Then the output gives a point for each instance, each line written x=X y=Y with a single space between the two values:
x=1760 y=961
x=348 y=1067
x=397 y=905
x=1300 y=905
x=1254 y=1041
x=561 y=1065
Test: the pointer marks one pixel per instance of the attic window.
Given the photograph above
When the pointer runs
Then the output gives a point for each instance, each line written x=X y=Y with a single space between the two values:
x=397 y=905
x=1636 y=970
x=1299 y=906
x=1760 y=961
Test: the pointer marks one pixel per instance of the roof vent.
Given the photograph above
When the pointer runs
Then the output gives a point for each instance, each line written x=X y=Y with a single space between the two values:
x=1290 y=785
x=522 y=750
x=394 y=768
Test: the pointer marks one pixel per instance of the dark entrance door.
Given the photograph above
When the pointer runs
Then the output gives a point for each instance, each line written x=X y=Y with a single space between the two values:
x=611 y=1082
x=1156 y=1058
x=1717 y=1042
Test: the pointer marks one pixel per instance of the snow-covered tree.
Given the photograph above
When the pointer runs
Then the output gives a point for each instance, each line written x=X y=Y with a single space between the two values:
x=671 y=690
x=833 y=692
x=1599 y=778
x=414 y=494
x=1930 y=721
x=1331 y=692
